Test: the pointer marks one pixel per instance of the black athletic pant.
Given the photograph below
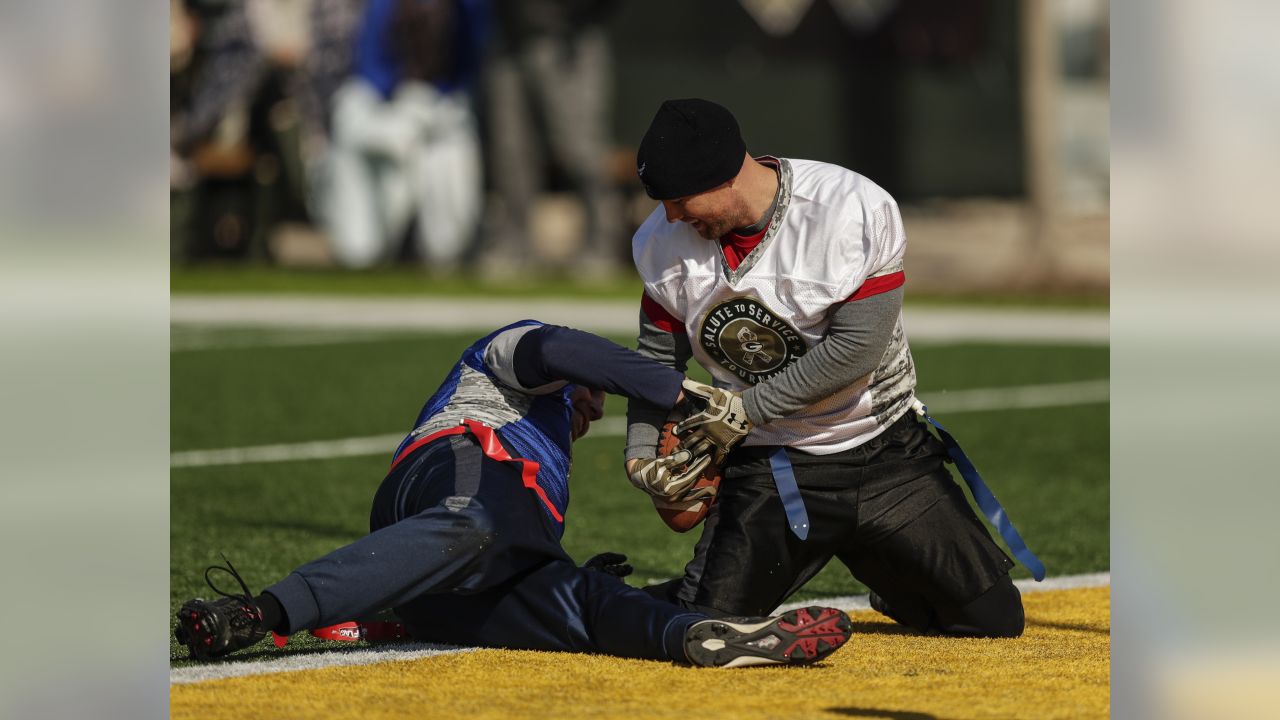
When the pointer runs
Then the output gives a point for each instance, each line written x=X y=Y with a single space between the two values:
x=888 y=509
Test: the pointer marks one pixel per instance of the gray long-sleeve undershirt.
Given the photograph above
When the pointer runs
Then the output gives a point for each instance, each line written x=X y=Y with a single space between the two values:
x=857 y=337
x=644 y=420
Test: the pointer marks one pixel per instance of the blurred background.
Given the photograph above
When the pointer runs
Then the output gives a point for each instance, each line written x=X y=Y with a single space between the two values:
x=494 y=140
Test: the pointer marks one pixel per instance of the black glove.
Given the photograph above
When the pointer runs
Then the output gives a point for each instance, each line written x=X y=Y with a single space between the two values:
x=609 y=563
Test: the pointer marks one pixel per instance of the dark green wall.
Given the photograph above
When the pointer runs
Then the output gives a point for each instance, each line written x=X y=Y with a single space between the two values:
x=926 y=104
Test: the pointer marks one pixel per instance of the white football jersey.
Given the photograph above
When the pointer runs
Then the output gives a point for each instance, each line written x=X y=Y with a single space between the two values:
x=834 y=233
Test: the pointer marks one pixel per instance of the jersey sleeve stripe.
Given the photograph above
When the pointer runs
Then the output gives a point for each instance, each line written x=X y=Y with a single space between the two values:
x=879 y=284
x=658 y=315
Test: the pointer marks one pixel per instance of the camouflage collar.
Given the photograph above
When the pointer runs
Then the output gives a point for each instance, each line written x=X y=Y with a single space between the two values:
x=775 y=223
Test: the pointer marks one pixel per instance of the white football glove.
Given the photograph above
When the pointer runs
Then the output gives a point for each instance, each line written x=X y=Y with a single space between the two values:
x=672 y=477
x=722 y=422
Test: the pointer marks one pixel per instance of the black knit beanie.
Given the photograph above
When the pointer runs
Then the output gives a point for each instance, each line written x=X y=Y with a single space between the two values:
x=691 y=146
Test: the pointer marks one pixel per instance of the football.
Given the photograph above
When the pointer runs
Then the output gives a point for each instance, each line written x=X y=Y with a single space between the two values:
x=684 y=516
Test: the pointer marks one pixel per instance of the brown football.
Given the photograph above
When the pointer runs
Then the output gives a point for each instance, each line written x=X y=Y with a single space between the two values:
x=683 y=517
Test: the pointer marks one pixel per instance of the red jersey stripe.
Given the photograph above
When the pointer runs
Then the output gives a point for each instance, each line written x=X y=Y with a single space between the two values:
x=659 y=316
x=877 y=285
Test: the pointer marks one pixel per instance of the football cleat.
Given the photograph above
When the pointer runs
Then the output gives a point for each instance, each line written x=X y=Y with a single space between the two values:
x=797 y=637
x=213 y=628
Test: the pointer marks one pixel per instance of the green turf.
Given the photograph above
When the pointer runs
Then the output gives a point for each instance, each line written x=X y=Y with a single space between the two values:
x=248 y=278
x=1048 y=466
x=261 y=395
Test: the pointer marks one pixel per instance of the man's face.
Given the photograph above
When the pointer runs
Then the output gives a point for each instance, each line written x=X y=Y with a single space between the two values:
x=588 y=405
x=712 y=213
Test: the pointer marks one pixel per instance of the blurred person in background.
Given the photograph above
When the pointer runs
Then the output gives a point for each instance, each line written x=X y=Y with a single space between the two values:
x=547 y=89
x=404 y=150
x=214 y=71
x=233 y=65
x=328 y=62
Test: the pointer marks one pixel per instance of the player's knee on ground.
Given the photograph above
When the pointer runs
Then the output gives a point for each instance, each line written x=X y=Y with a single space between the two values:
x=996 y=613
x=910 y=611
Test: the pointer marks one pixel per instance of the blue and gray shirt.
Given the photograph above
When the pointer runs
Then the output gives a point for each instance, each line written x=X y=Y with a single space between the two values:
x=518 y=380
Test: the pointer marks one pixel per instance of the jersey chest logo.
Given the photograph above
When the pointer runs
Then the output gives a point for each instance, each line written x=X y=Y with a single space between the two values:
x=749 y=340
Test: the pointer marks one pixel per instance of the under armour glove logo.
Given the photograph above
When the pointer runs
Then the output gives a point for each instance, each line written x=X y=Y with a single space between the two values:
x=722 y=421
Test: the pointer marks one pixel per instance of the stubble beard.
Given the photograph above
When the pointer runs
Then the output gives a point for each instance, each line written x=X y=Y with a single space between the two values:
x=716 y=229
x=709 y=231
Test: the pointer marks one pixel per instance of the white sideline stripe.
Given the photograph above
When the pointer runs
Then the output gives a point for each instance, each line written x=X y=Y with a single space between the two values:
x=978 y=400
x=1018 y=397
x=593 y=315
x=185 y=340
x=1064 y=582
x=367 y=656
x=345 y=657
x=315 y=450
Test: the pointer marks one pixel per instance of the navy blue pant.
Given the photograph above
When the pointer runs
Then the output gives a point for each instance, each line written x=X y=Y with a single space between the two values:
x=465 y=554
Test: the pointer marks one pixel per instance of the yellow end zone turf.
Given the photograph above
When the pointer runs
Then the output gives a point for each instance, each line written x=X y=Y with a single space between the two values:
x=1060 y=668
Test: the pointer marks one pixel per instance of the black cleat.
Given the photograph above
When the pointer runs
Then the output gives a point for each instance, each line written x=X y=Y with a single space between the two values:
x=213 y=628
x=798 y=637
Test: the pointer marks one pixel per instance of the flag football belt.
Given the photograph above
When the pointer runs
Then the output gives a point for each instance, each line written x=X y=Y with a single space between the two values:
x=784 y=477
x=371 y=631
x=492 y=448
x=986 y=500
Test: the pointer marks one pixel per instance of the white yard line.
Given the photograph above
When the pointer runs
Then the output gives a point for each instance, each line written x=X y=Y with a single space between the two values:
x=199 y=338
x=339 y=656
x=927 y=324
x=1018 y=397
x=315 y=450
x=1021 y=397
x=366 y=655
x=1066 y=582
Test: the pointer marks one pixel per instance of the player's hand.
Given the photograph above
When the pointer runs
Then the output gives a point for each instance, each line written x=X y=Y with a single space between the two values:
x=670 y=478
x=722 y=420
x=610 y=563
